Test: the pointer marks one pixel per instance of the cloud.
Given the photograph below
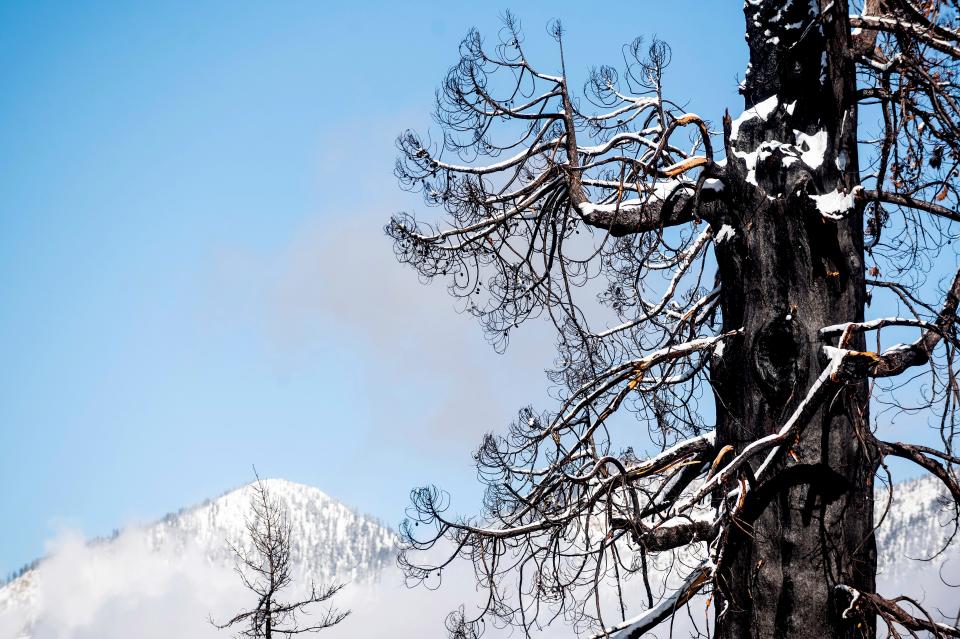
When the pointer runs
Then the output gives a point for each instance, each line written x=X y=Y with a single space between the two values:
x=338 y=283
x=125 y=589
x=934 y=584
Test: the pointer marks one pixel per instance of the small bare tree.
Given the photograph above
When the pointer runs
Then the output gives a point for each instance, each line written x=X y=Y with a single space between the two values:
x=265 y=570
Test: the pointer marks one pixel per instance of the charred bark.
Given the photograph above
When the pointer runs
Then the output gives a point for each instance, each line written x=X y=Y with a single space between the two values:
x=790 y=269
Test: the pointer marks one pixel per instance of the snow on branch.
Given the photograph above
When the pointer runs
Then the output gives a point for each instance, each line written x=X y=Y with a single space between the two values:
x=521 y=169
x=899 y=358
x=641 y=624
x=922 y=32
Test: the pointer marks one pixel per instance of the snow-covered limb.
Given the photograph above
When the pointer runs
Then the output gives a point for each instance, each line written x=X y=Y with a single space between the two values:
x=899 y=358
x=621 y=372
x=793 y=426
x=897 y=25
x=680 y=451
x=659 y=144
x=660 y=189
x=670 y=535
x=687 y=259
x=637 y=105
x=870 y=325
x=675 y=351
x=649 y=619
x=697 y=311
x=620 y=140
x=854 y=596
x=650 y=214
x=848 y=329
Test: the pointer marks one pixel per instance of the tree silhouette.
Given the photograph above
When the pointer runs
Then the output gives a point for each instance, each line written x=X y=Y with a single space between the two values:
x=265 y=568
x=709 y=286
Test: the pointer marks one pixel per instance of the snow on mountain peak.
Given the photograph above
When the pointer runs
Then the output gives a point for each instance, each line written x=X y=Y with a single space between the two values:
x=329 y=541
x=332 y=543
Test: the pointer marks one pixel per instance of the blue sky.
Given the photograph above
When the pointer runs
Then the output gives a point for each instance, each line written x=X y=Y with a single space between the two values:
x=193 y=270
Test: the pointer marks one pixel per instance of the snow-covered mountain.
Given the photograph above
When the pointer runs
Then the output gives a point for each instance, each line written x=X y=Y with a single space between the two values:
x=917 y=526
x=329 y=541
x=332 y=543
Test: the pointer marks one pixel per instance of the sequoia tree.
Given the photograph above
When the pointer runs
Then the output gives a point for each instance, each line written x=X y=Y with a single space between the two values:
x=715 y=285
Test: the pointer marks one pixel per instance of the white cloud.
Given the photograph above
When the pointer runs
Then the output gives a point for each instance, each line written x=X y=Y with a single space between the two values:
x=339 y=283
x=124 y=589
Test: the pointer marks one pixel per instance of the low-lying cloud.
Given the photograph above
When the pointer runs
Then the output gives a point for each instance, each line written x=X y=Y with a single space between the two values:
x=124 y=589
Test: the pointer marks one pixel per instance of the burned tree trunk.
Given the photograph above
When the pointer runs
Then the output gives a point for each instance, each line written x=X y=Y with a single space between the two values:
x=794 y=265
x=773 y=508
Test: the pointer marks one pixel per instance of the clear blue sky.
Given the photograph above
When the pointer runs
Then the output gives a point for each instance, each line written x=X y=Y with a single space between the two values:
x=193 y=272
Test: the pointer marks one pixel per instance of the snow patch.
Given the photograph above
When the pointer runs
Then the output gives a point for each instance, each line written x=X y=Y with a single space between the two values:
x=837 y=203
x=713 y=185
x=761 y=110
x=725 y=233
x=809 y=149
x=816 y=147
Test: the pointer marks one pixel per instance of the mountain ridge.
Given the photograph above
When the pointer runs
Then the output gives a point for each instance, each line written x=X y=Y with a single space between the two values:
x=330 y=542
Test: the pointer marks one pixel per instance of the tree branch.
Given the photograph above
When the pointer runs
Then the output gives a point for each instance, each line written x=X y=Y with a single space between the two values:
x=667 y=537
x=649 y=619
x=862 y=603
x=916 y=454
x=652 y=215
x=911 y=202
